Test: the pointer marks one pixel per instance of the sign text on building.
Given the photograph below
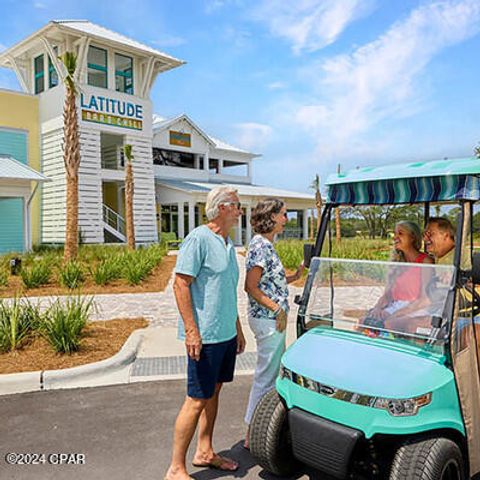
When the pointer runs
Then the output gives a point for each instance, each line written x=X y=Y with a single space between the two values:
x=180 y=139
x=110 y=111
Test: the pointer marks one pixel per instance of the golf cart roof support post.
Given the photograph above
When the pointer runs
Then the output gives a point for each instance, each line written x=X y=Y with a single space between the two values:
x=317 y=250
x=426 y=213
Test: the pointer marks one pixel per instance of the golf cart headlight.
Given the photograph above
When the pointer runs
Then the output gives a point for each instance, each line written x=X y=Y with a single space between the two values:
x=403 y=407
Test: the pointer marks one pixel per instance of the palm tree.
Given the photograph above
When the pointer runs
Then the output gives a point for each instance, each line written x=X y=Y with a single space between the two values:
x=127 y=150
x=315 y=185
x=71 y=156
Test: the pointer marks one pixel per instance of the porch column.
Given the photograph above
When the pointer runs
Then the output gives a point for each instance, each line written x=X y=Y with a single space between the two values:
x=181 y=220
x=199 y=216
x=305 y=224
x=249 y=226
x=191 y=216
x=220 y=166
x=206 y=161
x=238 y=232
x=196 y=162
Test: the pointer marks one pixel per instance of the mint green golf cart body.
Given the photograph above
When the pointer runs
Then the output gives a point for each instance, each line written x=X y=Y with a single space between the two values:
x=358 y=395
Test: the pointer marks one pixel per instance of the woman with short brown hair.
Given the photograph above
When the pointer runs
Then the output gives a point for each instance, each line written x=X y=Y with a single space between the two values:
x=266 y=285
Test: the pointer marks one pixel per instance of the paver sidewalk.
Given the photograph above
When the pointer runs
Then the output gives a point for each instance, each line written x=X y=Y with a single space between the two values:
x=162 y=355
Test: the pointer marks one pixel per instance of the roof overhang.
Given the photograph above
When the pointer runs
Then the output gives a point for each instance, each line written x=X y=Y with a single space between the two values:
x=246 y=190
x=56 y=30
x=12 y=170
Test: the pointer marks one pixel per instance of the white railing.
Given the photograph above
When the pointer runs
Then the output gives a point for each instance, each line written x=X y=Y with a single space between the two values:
x=112 y=218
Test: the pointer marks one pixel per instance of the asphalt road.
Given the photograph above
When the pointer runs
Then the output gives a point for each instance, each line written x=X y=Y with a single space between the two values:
x=118 y=432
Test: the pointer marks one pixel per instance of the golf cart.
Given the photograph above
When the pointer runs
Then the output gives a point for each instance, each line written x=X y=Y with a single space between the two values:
x=397 y=396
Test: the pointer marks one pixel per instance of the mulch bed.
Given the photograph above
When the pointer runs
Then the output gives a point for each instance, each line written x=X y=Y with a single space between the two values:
x=156 y=282
x=100 y=340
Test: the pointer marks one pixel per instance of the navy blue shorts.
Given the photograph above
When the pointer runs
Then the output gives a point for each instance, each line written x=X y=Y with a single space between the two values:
x=216 y=365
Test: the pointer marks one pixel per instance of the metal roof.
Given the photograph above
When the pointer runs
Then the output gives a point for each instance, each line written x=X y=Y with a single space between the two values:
x=160 y=123
x=89 y=29
x=12 y=169
x=437 y=168
x=95 y=30
x=243 y=189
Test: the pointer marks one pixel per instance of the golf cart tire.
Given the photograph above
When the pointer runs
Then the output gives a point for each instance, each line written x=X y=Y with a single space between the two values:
x=269 y=437
x=427 y=459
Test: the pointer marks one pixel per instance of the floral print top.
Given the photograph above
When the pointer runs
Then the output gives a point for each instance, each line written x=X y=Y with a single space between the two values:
x=273 y=282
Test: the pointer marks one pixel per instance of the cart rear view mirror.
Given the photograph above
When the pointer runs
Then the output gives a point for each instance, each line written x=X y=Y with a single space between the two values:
x=476 y=268
x=307 y=254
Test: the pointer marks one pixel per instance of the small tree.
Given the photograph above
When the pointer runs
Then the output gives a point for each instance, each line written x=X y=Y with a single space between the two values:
x=71 y=156
x=476 y=151
x=127 y=150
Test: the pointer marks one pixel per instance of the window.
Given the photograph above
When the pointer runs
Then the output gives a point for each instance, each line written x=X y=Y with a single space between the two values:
x=97 y=67
x=39 y=71
x=52 y=73
x=123 y=73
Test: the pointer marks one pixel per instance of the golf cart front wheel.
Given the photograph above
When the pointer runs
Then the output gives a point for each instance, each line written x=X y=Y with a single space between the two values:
x=430 y=459
x=269 y=437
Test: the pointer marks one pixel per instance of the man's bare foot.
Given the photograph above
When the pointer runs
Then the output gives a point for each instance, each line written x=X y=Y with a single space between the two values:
x=216 y=461
x=177 y=474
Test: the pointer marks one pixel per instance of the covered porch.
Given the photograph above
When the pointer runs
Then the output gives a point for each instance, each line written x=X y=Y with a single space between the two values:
x=181 y=208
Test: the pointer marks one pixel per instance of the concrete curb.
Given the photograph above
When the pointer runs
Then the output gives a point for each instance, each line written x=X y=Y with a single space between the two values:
x=110 y=371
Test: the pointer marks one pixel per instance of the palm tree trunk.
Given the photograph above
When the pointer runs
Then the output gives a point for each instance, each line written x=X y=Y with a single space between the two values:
x=71 y=157
x=129 y=205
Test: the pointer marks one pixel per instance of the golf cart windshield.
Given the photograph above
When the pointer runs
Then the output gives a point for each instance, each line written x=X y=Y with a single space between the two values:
x=392 y=300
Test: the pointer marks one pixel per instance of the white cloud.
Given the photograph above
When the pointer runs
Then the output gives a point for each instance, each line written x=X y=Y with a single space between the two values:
x=253 y=136
x=276 y=85
x=380 y=80
x=40 y=6
x=310 y=24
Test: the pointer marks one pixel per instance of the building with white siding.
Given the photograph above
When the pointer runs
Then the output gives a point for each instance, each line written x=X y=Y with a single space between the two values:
x=175 y=162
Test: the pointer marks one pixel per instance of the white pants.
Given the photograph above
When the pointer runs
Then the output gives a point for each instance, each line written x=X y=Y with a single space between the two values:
x=270 y=348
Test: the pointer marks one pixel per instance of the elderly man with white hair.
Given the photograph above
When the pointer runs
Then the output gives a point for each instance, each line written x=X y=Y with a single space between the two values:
x=206 y=293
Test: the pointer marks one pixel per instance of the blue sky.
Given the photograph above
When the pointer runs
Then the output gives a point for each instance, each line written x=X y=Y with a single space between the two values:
x=308 y=84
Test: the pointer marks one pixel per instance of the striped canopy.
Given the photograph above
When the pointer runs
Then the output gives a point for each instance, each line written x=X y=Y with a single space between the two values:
x=397 y=184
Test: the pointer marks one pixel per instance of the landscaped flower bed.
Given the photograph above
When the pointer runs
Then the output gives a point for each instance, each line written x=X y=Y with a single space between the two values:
x=98 y=269
x=58 y=336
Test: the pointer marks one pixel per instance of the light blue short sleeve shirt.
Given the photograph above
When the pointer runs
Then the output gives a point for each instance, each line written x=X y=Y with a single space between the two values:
x=205 y=256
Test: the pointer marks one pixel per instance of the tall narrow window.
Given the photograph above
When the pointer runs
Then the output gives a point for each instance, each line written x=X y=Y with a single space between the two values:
x=39 y=71
x=52 y=73
x=123 y=73
x=97 y=67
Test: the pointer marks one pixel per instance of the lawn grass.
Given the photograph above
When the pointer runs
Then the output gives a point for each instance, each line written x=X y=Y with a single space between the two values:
x=291 y=251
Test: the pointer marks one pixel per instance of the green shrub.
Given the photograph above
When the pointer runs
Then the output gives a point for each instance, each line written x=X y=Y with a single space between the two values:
x=36 y=275
x=106 y=271
x=3 y=277
x=71 y=275
x=63 y=323
x=136 y=268
x=17 y=320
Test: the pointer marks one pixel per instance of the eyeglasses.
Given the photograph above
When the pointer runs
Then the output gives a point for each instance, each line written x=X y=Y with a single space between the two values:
x=238 y=205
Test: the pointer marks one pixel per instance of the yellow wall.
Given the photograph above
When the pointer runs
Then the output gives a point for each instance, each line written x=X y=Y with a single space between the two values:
x=20 y=111
x=110 y=196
